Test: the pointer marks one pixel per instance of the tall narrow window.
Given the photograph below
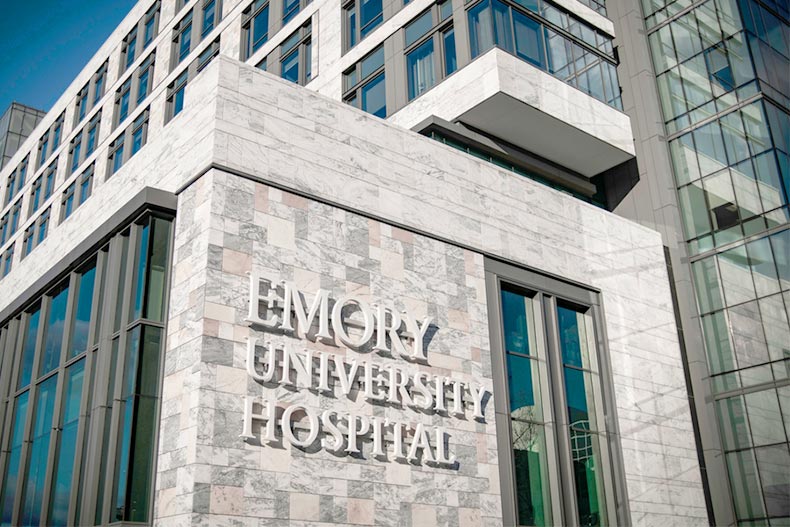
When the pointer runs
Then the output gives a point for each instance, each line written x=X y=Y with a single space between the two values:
x=182 y=39
x=145 y=79
x=553 y=407
x=365 y=84
x=361 y=17
x=151 y=24
x=8 y=261
x=209 y=16
x=75 y=153
x=295 y=64
x=255 y=26
x=116 y=154
x=122 y=101
x=175 y=98
x=290 y=9
x=39 y=447
x=582 y=393
x=526 y=364
x=67 y=443
x=12 y=472
x=429 y=48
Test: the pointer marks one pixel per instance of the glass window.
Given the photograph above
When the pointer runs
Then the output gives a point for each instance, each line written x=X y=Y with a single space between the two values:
x=717 y=342
x=374 y=97
x=733 y=423
x=289 y=69
x=138 y=426
x=124 y=102
x=694 y=210
x=764 y=414
x=530 y=459
x=290 y=10
x=53 y=341
x=583 y=449
x=82 y=313
x=774 y=464
x=142 y=90
x=12 y=469
x=371 y=14
x=529 y=40
x=450 y=62
x=130 y=51
x=185 y=42
x=150 y=29
x=745 y=485
x=420 y=67
x=67 y=443
x=29 y=347
x=137 y=139
x=117 y=159
x=178 y=101
x=38 y=451
x=258 y=28
x=420 y=27
x=209 y=15
x=481 y=28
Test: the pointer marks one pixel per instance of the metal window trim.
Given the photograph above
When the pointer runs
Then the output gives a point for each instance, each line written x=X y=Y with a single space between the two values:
x=561 y=478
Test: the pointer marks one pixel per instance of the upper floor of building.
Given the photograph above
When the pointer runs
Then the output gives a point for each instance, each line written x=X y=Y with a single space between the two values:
x=527 y=85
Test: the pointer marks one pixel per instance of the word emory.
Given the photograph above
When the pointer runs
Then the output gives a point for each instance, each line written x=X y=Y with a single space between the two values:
x=341 y=375
x=386 y=323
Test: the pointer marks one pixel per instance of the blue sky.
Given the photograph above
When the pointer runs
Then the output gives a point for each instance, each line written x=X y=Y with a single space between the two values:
x=46 y=43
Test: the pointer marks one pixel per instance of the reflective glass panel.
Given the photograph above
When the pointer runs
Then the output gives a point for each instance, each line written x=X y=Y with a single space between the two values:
x=290 y=67
x=67 y=444
x=82 y=313
x=53 y=342
x=588 y=478
x=11 y=479
x=374 y=97
x=29 y=347
x=420 y=68
x=533 y=501
x=39 y=448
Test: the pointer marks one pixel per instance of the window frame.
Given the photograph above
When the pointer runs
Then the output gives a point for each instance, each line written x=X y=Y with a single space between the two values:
x=354 y=35
x=7 y=261
x=248 y=27
x=286 y=17
x=50 y=141
x=439 y=28
x=549 y=293
x=16 y=180
x=303 y=49
x=352 y=93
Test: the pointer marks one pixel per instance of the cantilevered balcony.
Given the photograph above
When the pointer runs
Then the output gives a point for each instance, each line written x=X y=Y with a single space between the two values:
x=504 y=96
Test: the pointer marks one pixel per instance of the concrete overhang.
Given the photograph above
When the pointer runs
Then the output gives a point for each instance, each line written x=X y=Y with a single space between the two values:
x=501 y=95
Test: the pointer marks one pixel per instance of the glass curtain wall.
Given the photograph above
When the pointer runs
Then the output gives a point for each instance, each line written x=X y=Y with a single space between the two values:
x=80 y=386
x=722 y=71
